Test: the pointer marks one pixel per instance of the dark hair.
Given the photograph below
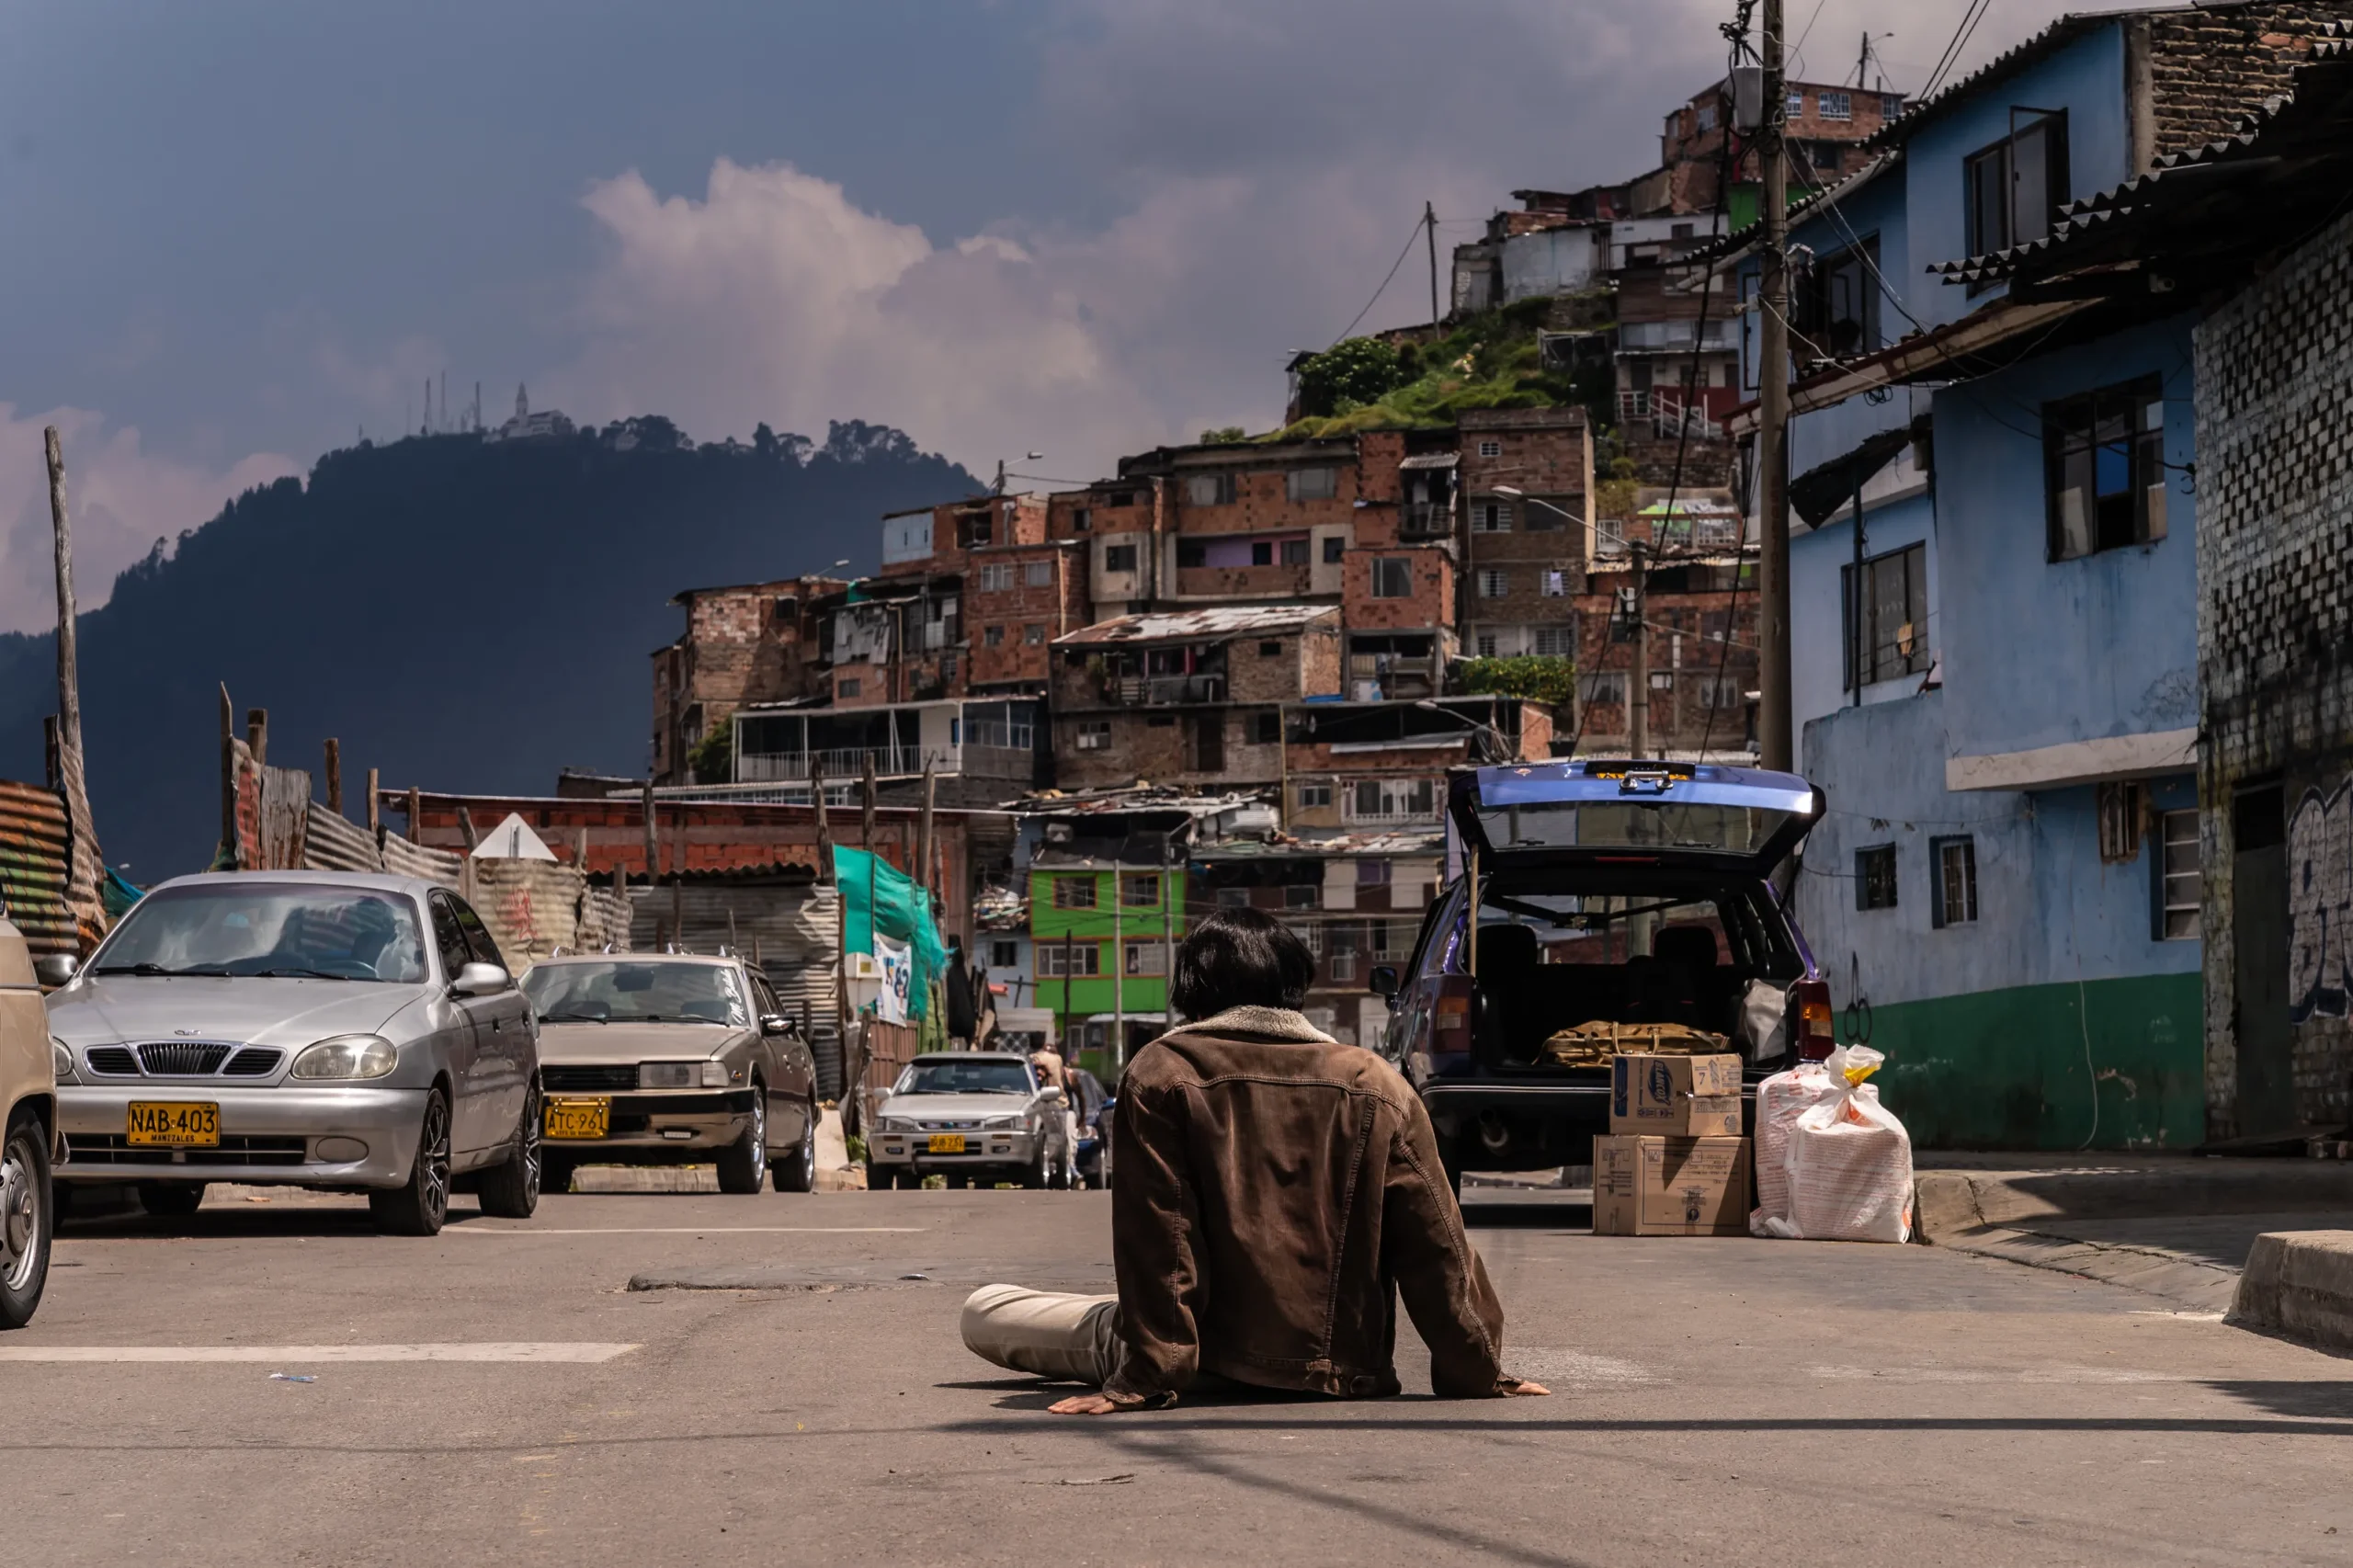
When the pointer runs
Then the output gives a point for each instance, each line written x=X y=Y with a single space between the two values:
x=1240 y=958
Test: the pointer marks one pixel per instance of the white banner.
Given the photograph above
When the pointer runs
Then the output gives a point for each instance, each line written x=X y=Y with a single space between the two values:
x=898 y=978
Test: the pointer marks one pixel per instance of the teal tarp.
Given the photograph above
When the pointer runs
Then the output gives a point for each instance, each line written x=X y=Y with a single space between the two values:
x=116 y=896
x=879 y=899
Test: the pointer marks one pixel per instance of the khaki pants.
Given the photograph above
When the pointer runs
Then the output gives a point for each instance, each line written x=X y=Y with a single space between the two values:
x=1048 y=1334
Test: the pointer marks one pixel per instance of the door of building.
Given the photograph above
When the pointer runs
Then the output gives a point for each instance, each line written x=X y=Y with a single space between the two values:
x=2266 y=1089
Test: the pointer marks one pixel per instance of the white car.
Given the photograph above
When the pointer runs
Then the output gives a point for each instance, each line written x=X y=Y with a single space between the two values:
x=28 y=1120
x=976 y=1116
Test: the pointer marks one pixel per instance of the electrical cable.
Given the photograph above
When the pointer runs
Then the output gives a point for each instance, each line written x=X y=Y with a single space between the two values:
x=1384 y=289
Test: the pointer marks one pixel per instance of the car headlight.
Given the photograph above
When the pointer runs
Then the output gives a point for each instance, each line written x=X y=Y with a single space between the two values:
x=1001 y=1123
x=714 y=1073
x=893 y=1124
x=62 y=1058
x=347 y=1056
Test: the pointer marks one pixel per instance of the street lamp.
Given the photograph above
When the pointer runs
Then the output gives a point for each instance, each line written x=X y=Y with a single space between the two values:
x=1500 y=747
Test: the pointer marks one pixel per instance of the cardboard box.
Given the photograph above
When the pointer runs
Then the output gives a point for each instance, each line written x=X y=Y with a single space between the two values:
x=1676 y=1096
x=1648 y=1185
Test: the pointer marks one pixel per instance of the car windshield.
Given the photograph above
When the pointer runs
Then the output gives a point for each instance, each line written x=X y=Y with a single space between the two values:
x=967 y=1076
x=242 y=927
x=647 y=991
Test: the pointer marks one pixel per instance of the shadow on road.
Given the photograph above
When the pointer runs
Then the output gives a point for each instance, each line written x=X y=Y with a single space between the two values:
x=1522 y=1214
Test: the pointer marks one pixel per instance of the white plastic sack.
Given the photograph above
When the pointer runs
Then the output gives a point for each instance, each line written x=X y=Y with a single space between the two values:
x=1763 y=1020
x=1781 y=1100
x=1849 y=1163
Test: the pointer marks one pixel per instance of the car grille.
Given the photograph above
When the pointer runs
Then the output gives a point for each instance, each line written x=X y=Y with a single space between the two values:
x=114 y=1149
x=585 y=1080
x=182 y=1058
x=948 y=1126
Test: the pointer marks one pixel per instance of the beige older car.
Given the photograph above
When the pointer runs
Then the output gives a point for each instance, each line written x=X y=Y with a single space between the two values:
x=28 y=1102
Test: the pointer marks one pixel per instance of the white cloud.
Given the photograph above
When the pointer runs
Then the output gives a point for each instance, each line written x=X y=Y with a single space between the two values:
x=121 y=498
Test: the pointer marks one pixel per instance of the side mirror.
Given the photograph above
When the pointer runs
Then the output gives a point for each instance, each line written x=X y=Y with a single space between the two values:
x=480 y=980
x=1050 y=1093
x=1382 y=982
x=53 y=969
x=774 y=1024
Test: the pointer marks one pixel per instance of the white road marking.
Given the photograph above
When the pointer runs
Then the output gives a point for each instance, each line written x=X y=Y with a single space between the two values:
x=691 y=1230
x=1996 y=1375
x=561 y=1350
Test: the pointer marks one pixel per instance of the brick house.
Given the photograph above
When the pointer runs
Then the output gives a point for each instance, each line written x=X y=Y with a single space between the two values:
x=748 y=643
x=1525 y=477
x=1191 y=697
x=1700 y=586
x=1367 y=767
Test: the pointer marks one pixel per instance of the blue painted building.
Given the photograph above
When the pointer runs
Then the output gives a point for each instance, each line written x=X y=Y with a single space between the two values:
x=1996 y=684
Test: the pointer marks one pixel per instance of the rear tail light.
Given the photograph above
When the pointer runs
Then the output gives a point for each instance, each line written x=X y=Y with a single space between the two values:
x=1809 y=1013
x=1451 y=1016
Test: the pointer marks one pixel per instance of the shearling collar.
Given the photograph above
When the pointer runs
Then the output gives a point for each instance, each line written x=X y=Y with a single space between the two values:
x=1271 y=1023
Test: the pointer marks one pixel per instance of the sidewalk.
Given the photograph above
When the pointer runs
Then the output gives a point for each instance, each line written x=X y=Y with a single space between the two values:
x=2177 y=1227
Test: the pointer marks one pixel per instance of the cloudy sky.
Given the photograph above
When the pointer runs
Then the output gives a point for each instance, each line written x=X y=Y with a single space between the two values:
x=242 y=232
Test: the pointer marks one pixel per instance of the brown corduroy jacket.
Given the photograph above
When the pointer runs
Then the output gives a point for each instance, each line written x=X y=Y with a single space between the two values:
x=1276 y=1192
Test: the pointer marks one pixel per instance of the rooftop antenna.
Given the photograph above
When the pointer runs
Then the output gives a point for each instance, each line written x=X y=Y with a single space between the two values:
x=445 y=402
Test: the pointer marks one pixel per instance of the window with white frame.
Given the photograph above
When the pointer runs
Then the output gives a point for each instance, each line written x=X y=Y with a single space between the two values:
x=996 y=576
x=1834 y=105
x=2180 y=887
x=1147 y=958
x=1720 y=692
x=1311 y=796
x=1392 y=800
x=1956 y=863
x=1074 y=892
x=1797 y=103
x=1491 y=449
x=1303 y=895
x=1555 y=642
x=1392 y=578
x=1603 y=686
x=1068 y=960
x=1487 y=644
x=1093 y=735
x=1139 y=890
x=1490 y=517
x=1494 y=582
x=1038 y=574
x=1554 y=584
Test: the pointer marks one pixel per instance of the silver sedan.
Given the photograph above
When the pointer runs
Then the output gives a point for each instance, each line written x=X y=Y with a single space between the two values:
x=972 y=1115
x=323 y=1028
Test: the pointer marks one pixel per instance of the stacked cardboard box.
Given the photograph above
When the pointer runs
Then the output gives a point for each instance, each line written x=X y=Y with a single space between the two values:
x=1674 y=1164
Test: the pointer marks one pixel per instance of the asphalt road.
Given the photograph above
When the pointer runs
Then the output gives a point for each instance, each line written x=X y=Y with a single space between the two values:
x=1718 y=1401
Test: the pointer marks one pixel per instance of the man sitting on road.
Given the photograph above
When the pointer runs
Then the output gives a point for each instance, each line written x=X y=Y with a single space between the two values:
x=1278 y=1190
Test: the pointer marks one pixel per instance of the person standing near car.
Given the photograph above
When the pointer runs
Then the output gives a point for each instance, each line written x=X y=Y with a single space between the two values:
x=1277 y=1191
x=1054 y=1071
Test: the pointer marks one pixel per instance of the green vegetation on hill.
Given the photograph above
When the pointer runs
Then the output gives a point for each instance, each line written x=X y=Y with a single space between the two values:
x=1488 y=360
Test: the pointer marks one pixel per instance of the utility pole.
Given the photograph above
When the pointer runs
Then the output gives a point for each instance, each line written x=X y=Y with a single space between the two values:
x=83 y=874
x=1638 y=701
x=1429 y=219
x=1774 y=746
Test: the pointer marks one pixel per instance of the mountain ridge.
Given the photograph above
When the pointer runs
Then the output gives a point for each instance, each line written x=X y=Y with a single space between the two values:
x=459 y=614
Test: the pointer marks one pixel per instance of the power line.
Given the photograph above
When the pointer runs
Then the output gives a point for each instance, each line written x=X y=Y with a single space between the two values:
x=1394 y=265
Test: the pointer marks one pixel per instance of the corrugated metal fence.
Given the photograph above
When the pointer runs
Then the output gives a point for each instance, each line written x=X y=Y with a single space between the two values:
x=34 y=862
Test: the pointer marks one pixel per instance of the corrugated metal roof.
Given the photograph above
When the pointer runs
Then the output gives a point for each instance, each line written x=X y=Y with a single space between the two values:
x=1339 y=845
x=409 y=859
x=1432 y=460
x=533 y=907
x=1219 y=620
x=794 y=930
x=33 y=864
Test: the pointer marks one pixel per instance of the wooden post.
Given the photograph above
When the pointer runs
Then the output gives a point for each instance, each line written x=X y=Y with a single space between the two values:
x=53 y=753
x=335 y=776
x=466 y=826
x=653 y=841
x=866 y=814
x=817 y=800
x=375 y=803
x=922 y=867
x=228 y=778
x=257 y=735
x=416 y=816
x=82 y=871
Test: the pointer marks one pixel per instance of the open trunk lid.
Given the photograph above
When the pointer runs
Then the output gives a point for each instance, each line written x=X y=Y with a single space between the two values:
x=1594 y=812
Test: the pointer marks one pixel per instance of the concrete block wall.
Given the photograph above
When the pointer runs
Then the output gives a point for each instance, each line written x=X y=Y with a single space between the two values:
x=2275 y=627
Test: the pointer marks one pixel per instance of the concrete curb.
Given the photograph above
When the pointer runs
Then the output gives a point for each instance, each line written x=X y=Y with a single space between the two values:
x=2198 y=1286
x=2300 y=1283
x=1949 y=1203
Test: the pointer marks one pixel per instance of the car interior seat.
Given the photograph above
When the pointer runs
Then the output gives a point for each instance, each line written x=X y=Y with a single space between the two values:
x=1685 y=989
x=1508 y=959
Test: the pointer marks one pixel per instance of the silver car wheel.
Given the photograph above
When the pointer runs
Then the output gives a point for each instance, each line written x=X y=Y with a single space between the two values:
x=759 y=1136
x=433 y=1152
x=20 y=1216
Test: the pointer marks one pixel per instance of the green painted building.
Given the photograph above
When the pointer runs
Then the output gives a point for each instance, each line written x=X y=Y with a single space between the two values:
x=1100 y=941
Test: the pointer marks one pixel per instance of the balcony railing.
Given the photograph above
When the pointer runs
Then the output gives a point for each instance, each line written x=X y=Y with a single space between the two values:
x=889 y=762
x=1391 y=811
x=1422 y=519
x=1163 y=691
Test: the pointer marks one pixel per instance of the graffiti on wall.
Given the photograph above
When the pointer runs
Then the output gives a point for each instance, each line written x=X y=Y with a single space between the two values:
x=2320 y=904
